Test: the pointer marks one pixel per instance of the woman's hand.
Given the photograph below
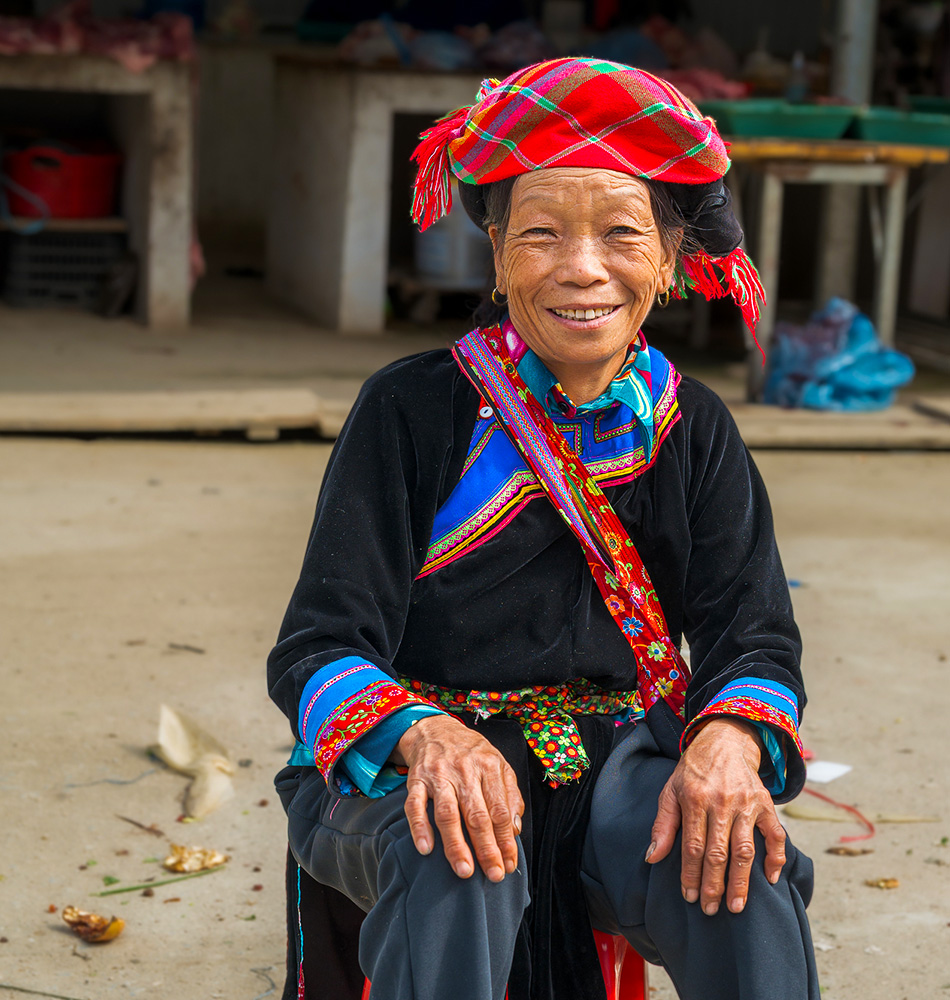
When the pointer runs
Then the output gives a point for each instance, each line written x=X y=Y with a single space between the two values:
x=717 y=795
x=467 y=779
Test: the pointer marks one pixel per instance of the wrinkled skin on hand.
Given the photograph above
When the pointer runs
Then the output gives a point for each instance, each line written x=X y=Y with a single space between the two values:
x=715 y=794
x=717 y=797
x=469 y=782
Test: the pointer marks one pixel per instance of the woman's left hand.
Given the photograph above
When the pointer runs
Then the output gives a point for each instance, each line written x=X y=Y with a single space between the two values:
x=717 y=796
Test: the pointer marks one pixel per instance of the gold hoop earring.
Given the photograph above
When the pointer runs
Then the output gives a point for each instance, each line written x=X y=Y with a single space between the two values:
x=663 y=299
x=498 y=298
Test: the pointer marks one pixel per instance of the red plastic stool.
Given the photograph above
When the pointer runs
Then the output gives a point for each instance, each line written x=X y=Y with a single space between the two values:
x=625 y=972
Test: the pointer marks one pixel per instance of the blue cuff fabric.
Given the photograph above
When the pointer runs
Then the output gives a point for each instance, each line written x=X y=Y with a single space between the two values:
x=781 y=698
x=328 y=688
x=365 y=763
x=772 y=772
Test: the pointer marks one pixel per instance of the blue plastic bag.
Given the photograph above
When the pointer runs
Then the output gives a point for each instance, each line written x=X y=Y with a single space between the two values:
x=835 y=362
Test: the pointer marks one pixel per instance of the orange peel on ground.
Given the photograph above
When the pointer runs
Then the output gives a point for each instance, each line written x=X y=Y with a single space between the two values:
x=193 y=859
x=92 y=927
x=882 y=883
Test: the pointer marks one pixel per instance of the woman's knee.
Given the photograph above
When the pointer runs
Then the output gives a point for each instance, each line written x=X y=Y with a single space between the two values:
x=432 y=875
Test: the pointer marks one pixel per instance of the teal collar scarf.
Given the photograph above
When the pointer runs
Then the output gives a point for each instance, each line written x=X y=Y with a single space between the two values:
x=632 y=385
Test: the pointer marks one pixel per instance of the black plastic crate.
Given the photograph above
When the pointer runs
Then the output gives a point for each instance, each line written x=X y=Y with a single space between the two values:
x=58 y=268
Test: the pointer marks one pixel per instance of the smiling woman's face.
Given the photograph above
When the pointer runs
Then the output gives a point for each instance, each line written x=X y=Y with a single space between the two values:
x=581 y=263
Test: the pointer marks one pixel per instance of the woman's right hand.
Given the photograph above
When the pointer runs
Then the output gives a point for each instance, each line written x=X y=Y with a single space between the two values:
x=467 y=779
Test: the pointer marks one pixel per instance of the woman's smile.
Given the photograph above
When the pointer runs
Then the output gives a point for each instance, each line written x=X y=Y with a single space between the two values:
x=583 y=317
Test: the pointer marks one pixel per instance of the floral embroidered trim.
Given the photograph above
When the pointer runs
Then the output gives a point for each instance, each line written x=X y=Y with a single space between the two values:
x=355 y=717
x=745 y=707
x=327 y=684
x=544 y=713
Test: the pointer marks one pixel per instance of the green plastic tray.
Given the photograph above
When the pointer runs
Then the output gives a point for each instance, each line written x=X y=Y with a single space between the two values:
x=911 y=127
x=779 y=119
x=754 y=116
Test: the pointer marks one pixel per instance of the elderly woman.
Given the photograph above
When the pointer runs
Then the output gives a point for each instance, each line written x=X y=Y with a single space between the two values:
x=500 y=744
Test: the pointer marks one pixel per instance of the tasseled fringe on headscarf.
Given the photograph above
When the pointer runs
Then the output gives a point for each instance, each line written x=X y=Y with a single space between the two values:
x=433 y=191
x=698 y=273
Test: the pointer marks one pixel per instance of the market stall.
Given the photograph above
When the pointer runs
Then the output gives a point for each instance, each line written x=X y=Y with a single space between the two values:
x=140 y=234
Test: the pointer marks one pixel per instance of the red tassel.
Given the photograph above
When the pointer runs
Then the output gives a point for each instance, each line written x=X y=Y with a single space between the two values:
x=432 y=191
x=745 y=287
x=698 y=273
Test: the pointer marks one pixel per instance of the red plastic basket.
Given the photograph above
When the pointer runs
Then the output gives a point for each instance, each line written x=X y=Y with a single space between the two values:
x=74 y=185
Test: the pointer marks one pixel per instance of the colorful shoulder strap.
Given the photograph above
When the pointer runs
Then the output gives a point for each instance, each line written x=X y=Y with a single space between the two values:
x=612 y=558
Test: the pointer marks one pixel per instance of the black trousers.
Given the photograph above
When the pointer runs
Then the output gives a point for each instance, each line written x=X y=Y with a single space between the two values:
x=429 y=935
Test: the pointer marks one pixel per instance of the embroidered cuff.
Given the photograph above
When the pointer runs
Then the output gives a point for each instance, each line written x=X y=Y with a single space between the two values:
x=365 y=763
x=342 y=703
x=769 y=706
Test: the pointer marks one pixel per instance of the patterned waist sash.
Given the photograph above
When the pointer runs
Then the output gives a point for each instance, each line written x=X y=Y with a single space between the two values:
x=544 y=714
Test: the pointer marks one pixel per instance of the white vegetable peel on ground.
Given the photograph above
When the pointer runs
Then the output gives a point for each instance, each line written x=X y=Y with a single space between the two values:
x=187 y=748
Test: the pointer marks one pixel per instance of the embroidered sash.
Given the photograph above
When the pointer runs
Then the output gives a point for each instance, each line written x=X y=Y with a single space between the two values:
x=615 y=564
x=545 y=714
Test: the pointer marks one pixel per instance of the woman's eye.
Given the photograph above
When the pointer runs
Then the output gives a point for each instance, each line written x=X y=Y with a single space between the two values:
x=539 y=231
x=623 y=231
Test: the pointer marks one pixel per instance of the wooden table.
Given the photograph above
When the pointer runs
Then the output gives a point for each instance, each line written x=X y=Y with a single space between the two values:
x=328 y=219
x=150 y=115
x=808 y=161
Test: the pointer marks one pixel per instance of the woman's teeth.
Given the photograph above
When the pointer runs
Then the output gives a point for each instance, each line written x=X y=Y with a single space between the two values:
x=582 y=313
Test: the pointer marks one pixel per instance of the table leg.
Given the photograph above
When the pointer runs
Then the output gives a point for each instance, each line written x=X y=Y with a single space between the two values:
x=885 y=295
x=767 y=260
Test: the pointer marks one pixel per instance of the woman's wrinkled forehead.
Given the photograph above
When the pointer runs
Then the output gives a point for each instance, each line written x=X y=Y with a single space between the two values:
x=581 y=189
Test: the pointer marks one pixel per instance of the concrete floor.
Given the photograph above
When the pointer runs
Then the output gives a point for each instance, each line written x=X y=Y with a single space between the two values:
x=116 y=549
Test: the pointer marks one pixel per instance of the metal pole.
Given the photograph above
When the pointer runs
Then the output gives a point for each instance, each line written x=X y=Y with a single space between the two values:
x=851 y=77
x=853 y=59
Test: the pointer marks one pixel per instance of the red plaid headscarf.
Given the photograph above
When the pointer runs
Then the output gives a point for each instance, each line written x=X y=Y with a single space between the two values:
x=579 y=112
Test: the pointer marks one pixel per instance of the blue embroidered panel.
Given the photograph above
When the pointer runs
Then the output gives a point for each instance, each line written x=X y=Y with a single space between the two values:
x=496 y=483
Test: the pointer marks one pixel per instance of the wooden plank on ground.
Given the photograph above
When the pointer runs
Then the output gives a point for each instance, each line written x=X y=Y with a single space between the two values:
x=262 y=413
x=899 y=427
x=934 y=406
x=258 y=412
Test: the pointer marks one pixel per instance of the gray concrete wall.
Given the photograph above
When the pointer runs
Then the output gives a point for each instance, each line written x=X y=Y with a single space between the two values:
x=235 y=139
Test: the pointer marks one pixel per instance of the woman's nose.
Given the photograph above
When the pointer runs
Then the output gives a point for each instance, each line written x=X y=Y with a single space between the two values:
x=582 y=263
